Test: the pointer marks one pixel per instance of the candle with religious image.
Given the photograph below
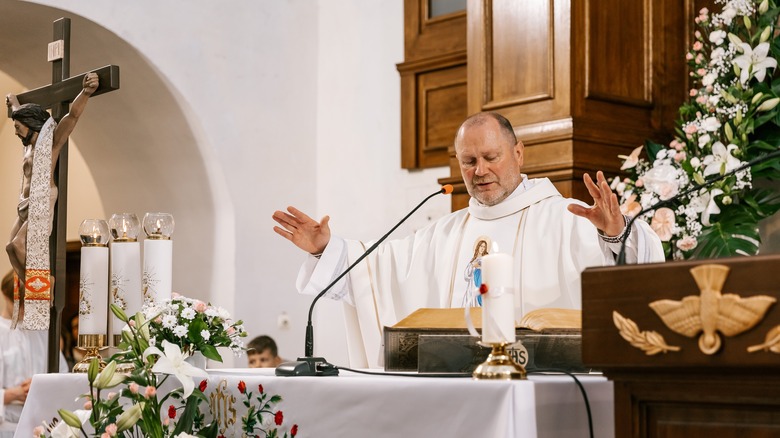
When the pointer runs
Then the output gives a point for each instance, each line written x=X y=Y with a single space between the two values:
x=498 y=304
x=93 y=282
x=125 y=269
x=158 y=257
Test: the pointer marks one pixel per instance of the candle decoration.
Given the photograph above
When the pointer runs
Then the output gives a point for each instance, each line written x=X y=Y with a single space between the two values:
x=498 y=318
x=93 y=291
x=158 y=257
x=125 y=291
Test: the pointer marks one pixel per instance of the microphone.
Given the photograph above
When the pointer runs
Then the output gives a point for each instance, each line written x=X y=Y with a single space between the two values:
x=318 y=366
x=621 y=259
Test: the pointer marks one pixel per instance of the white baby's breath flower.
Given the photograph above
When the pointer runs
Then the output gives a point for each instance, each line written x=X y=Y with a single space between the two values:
x=717 y=37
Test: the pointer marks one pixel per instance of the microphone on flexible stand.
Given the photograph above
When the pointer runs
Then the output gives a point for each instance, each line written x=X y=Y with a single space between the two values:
x=318 y=366
x=621 y=259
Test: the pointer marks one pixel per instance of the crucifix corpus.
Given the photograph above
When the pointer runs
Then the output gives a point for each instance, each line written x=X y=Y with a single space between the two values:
x=36 y=247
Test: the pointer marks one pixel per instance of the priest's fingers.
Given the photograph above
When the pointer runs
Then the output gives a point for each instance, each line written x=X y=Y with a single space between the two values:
x=580 y=210
x=285 y=220
x=284 y=233
x=299 y=215
x=593 y=189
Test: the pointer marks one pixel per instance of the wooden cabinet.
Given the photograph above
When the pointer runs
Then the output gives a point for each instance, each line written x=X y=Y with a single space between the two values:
x=581 y=80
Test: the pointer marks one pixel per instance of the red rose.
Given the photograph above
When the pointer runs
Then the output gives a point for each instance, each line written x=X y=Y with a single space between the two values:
x=278 y=418
x=171 y=412
x=483 y=288
x=242 y=387
x=294 y=430
x=203 y=384
x=260 y=388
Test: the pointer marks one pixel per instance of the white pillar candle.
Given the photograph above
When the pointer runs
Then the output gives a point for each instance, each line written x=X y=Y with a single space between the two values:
x=125 y=281
x=93 y=290
x=498 y=304
x=158 y=269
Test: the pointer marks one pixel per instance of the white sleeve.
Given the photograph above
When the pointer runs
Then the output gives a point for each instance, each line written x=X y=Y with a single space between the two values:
x=316 y=274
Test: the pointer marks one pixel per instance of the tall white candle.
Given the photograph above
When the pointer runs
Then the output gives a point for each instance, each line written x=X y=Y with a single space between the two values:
x=93 y=290
x=125 y=280
x=158 y=270
x=498 y=304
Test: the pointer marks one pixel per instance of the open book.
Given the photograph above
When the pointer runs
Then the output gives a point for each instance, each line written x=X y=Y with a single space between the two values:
x=537 y=320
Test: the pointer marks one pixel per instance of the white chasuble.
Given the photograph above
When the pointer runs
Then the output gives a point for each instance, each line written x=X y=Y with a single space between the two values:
x=432 y=267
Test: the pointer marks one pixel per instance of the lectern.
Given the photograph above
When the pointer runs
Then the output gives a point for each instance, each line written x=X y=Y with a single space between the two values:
x=693 y=348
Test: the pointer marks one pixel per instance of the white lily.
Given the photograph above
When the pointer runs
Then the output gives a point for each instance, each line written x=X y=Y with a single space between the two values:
x=172 y=362
x=754 y=62
x=63 y=430
x=711 y=208
x=721 y=160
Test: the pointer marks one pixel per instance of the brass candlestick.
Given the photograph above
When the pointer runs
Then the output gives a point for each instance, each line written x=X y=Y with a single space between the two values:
x=499 y=365
x=92 y=344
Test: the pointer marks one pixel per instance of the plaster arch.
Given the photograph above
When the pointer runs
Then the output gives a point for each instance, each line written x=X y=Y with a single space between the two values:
x=141 y=143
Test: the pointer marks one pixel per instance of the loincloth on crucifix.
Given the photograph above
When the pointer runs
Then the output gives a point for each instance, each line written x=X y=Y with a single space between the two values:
x=32 y=295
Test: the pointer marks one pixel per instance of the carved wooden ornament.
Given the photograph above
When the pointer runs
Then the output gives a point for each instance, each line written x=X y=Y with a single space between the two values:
x=712 y=313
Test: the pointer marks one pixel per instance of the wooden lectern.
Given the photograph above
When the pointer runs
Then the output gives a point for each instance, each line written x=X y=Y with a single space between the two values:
x=693 y=348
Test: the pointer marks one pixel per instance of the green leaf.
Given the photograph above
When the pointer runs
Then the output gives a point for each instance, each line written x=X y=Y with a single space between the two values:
x=652 y=148
x=210 y=352
x=734 y=233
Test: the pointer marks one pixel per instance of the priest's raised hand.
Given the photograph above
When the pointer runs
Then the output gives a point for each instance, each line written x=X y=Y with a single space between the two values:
x=306 y=233
x=605 y=213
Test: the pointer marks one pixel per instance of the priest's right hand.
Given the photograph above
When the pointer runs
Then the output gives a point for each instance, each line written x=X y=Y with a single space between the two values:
x=306 y=233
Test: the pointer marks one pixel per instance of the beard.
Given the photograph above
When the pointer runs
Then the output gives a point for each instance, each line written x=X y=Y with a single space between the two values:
x=26 y=140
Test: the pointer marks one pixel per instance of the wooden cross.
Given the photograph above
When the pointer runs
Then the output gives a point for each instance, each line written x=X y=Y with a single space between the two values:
x=58 y=96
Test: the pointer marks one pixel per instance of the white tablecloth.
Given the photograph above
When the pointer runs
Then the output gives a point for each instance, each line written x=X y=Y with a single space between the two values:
x=549 y=406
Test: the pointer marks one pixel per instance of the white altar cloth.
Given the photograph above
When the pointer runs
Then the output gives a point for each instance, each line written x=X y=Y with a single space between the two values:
x=348 y=405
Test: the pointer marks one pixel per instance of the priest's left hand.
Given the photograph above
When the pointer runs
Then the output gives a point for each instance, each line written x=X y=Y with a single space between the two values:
x=605 y=212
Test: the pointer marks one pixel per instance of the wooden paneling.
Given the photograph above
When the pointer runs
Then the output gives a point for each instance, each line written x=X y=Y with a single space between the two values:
x=441 y=109
x=433 y=84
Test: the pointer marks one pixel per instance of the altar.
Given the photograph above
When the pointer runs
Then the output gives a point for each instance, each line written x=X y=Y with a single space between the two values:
x=544 y=406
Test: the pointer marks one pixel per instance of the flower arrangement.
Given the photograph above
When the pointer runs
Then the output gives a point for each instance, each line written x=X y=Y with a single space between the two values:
x=194 y=326
x=181 y=327
x=731 y=119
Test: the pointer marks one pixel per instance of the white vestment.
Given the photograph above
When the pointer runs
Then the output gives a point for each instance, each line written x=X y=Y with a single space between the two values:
x=551 y=247
x=23 y=353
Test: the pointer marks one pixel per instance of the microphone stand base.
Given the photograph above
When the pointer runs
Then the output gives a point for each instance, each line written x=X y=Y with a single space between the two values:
x=307 y=366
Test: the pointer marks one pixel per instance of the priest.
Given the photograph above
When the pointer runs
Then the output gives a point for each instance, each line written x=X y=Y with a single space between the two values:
x=552 y=239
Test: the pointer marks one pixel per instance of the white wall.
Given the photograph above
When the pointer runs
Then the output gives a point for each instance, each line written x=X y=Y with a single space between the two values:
x=290 y=102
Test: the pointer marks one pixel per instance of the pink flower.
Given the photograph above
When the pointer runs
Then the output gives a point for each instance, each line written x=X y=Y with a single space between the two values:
x=639 y=182
x=687 y=243
x=150 y=391
x=111 y=395
x=105 y=435
x=111 y=429
x=704 y=11
x=701 y=72
x=699 y=58
x=632 y=159
x=693 y=92
x=689 y=56
x=200 y=306
x=697 y=46
x=679 y=156
x=630 y=207
x=175 y=295
x=88 y=405
x=231 y=330
x=38 y=431
x=662 y=223
x=133 y=387
x=701 y=100
x=166 y=422
x=691 y=129
x=131 y=323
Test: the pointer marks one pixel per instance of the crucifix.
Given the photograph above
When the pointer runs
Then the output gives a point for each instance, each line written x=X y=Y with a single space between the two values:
x=57 y=97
